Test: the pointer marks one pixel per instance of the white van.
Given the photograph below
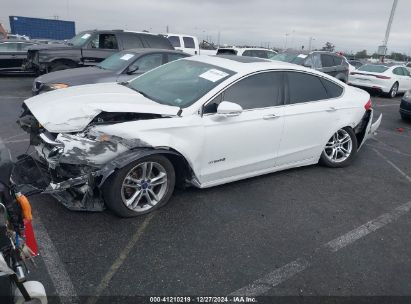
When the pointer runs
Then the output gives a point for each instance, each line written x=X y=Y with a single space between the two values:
x=188 y=44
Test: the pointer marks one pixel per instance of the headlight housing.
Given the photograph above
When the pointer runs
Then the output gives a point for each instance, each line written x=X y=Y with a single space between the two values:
x=407 y=95
x=56 y=86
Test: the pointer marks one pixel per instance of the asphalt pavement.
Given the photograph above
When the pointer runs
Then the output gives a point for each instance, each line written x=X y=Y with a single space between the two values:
x=311 y=231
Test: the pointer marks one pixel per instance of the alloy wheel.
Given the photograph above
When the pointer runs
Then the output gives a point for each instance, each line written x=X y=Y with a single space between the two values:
x=339 y=146
x=144 y=186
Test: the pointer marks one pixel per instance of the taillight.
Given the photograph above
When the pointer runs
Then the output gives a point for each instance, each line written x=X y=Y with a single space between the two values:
x=368 y=105
x=382 y=77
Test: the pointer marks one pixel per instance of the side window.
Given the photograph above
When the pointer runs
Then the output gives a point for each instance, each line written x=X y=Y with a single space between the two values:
x=316 y=61
x=337 y=60
x=327 y=60
x=157 y=41
x=333 y=90
x=175 y=41
x=189 y=42
x=304 y=87
x=9 y=47
x=131 y=41
x=147 y=63
x=257 y=91
x=406 y=72
x=248 y=53
x=172 y=57
x=25 y=46
x=104 y=41
x=398 y=71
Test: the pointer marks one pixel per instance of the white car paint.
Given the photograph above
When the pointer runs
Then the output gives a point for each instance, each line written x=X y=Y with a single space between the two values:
x=219 y=149
x=380 y=81
x=239 y=51
x=182 y=45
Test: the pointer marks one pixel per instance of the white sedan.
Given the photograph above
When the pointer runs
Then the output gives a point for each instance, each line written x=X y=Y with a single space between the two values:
x=201 y=121
x=389 y=80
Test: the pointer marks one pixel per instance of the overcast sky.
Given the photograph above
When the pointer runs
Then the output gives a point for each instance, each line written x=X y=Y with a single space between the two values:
x=349 y=24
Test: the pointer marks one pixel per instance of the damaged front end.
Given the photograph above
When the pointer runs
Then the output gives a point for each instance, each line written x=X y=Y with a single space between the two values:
x=73 y=166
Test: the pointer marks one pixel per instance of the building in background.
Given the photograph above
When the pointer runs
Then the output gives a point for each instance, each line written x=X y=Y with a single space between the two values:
x=37 y=28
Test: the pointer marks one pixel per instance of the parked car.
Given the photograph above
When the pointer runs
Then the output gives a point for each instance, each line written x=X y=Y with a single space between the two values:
x=389 y=80
x=405 y=106
x=12 y=55
x=250 y=52
x=119 y=67
x=89 y=48
x=201 y=121
x=329 y=63
x=355 y=63
x=408 y=66
x=189 y=44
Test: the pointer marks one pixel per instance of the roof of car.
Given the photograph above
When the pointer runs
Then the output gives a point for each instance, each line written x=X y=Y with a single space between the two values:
x=243 y=59
x=150 y=50
x=248 y=65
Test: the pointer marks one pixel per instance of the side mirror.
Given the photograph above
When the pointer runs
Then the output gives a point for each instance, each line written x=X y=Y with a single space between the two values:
x=229 y=109
x=132 y=70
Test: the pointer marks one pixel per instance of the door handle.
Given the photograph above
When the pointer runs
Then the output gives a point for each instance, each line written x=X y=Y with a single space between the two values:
x=331 y=109
x=270 y=116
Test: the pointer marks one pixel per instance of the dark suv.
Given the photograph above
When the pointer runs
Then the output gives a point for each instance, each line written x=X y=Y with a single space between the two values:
x=327 y=62
x=89 y=48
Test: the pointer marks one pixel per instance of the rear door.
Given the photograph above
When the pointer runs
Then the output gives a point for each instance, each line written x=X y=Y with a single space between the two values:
x=312 y=110
x=190 y=45
x=100 y=46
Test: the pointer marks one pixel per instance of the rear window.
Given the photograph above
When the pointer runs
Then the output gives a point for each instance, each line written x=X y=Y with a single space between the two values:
x=373 y=68
x=226 y=52
x=337 y=60
x=189 y=42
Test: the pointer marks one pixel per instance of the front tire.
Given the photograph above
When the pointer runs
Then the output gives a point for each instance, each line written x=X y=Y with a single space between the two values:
x=340 y=149
x=141 y=187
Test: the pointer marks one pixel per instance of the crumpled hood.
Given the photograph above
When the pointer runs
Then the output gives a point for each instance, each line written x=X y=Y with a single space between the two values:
x=72 y=109
x=77 y=76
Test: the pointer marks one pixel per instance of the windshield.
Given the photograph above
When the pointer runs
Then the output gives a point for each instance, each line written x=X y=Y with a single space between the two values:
x=292 y=58
x=117 y=61
x=180 y=83
x=373 y=68
x=79 y=39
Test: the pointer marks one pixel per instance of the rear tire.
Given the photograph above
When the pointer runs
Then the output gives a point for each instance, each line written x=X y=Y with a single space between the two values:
x=340 y=149
x=141 y=187
x=394 y=90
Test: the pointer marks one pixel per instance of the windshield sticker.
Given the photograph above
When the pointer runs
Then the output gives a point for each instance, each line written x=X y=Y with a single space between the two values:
x=126 y=56
x=213 y=75
x=302 y=56
x=85 y=36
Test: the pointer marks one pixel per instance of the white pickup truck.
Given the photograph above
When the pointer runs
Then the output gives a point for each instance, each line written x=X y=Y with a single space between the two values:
x=188 y=44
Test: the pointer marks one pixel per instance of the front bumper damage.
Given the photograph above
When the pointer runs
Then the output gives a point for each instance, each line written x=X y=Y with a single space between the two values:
x=72 y=168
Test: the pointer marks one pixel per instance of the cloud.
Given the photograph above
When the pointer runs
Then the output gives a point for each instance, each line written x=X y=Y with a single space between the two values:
x=350 y=24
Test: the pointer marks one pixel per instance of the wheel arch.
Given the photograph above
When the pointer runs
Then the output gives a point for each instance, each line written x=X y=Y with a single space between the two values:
x=183 y=169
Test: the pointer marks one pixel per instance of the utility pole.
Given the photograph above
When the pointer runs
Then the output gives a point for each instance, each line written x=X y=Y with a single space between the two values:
x=382 y=50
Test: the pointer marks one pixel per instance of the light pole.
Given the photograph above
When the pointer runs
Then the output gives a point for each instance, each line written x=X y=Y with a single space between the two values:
x=310 y=42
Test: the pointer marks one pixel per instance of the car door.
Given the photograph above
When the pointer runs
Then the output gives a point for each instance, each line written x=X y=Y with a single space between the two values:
x=407 y=79
x=99 y=47
x=11 y=56
x=243 y=145
x=328 y=65
x=312 y=110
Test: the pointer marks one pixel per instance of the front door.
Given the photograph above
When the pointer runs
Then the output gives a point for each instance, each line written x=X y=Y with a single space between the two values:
x=247 y=144
x=99 y=48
